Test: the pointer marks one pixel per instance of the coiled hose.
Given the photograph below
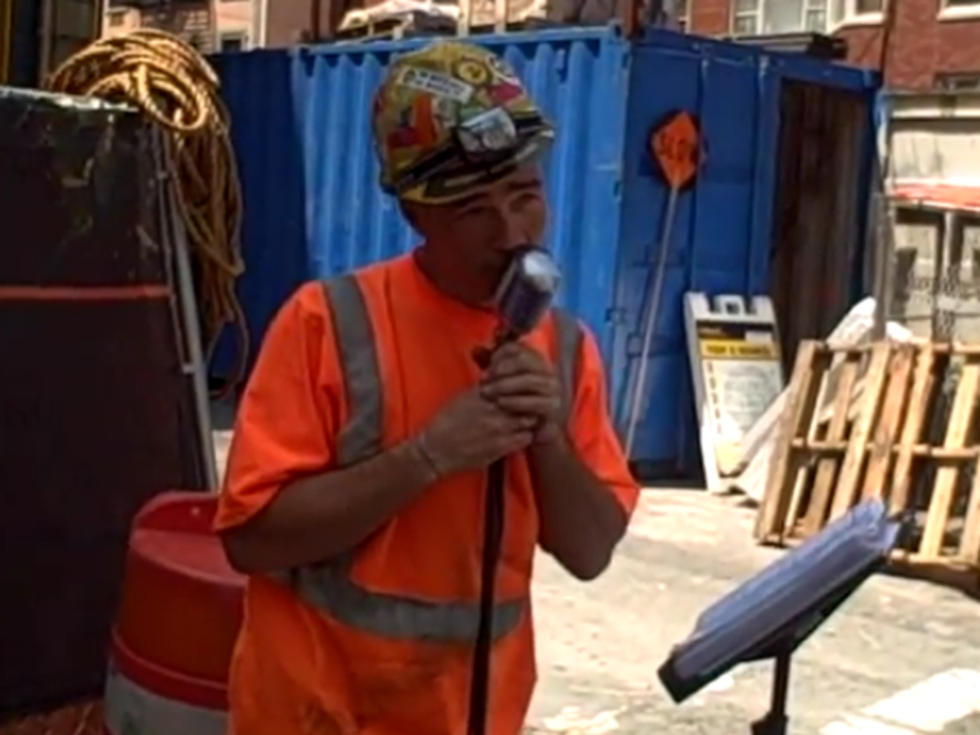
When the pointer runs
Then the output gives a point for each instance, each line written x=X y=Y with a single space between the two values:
x=173 y=85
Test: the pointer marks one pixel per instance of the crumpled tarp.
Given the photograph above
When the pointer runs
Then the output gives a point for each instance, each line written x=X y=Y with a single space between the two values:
x=91 y=398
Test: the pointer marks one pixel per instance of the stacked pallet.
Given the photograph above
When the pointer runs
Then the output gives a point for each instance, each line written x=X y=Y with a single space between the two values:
x=755 y=451
x=903 y=427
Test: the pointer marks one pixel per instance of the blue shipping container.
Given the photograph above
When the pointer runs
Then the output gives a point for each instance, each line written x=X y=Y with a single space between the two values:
x=313 y=207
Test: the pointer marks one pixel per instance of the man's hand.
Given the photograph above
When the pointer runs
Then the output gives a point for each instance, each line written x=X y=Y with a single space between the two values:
x=472 y=432
x=581 y=521
x=523 y=383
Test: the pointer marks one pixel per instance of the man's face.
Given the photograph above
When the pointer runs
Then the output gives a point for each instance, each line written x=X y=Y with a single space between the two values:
x=481 y=230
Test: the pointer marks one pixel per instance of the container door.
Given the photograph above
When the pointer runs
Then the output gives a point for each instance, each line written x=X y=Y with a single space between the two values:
x=713 y=244
x=817 y=242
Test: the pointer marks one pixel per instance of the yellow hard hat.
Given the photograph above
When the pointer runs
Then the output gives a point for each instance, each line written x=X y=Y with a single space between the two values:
x=450 y=118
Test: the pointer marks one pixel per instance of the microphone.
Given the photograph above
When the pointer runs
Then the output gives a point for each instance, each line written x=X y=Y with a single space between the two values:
x=522 y=298
x=525 y=292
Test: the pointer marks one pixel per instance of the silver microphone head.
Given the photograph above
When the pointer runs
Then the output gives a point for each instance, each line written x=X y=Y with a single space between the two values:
x=527 y=289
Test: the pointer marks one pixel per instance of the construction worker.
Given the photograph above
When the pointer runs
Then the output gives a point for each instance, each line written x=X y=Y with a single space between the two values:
x=354 y=495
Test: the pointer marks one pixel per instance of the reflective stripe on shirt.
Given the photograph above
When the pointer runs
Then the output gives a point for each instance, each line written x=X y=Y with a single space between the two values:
x=328 y=586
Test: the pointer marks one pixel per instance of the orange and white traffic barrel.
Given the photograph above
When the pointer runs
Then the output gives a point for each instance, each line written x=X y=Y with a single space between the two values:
x=180 y=613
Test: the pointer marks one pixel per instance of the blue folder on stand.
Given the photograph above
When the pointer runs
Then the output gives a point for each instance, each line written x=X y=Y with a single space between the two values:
x=772 y=613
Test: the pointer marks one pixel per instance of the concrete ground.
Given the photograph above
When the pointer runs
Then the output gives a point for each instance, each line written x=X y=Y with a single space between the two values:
x=601 y=644
x=901 y=658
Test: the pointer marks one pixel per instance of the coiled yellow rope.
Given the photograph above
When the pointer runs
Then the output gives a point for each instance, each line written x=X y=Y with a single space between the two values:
x=173 y=85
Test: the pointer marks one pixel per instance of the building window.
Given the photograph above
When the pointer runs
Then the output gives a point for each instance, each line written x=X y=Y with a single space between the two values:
x=746 y=17
x=959 y=7
x=868 y=7
x=847 y=12
x=232 y=42
x=775 y=17
x=959 y=82
x=815 y=16
x=682 y=13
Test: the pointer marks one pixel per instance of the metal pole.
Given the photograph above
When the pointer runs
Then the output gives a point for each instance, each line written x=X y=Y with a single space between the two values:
x=6 y=38
x=316 y=12
x=633 y=416
x=188 y=304
x=883 y=212
x=45 y=40
x=259 y=13
x=194 y=366
x=884 y=266
x=465 y=18
x=630 y=18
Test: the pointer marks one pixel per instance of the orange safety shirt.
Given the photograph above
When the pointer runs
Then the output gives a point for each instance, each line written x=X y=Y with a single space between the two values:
x=300 y=668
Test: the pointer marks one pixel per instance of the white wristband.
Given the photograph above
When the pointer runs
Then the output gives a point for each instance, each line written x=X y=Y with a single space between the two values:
x=421 y=448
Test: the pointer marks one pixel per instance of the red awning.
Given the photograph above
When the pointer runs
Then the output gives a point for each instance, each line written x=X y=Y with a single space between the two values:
x=941 y=196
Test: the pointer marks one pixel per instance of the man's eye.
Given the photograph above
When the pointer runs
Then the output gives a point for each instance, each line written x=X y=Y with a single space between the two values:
x=467 y=214
x=528 y=200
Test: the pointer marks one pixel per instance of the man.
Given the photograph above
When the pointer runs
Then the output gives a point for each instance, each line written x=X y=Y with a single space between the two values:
x=354 y=497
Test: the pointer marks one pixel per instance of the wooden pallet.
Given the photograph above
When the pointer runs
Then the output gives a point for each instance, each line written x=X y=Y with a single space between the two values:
x=890 y=421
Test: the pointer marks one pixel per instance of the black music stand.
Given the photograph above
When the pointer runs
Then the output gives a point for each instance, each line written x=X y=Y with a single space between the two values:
x=774 y=612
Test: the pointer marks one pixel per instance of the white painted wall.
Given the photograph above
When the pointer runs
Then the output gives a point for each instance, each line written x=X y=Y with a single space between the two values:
x=935 y=137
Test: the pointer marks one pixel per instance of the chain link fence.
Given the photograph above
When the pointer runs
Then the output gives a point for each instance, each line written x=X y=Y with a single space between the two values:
x=936 y=295
x=936 y=291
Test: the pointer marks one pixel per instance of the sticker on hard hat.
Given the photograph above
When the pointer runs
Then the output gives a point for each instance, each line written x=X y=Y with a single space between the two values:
x=440 y=85
x=501 y=70
x=472 y=72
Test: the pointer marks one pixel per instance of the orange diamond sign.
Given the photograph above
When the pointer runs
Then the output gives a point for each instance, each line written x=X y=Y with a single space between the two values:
x=676 y=146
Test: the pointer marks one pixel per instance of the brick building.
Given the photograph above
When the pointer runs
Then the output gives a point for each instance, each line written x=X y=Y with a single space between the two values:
x=932 y=43
x=231 y=24
x=208 y=25
x=242 y=24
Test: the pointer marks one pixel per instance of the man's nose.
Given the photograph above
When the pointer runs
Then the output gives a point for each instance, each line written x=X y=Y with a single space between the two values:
x=515 y=233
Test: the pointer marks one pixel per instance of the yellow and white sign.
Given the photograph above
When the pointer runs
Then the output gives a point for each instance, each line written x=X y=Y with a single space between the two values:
x=739 y=349
x=736 y=371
